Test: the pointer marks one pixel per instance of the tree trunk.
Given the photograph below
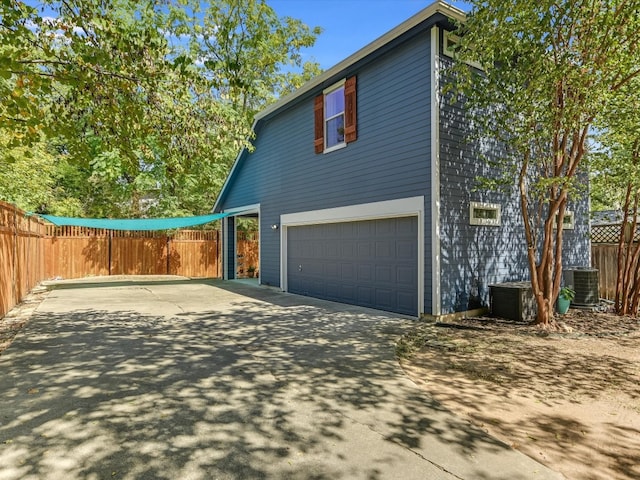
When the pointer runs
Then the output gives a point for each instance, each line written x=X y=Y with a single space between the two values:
x=633 y=278
x=627 y=297
x=621 y=253
x=546 y=274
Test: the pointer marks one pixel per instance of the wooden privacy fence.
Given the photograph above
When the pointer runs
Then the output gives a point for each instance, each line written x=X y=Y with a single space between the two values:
x=248 y=255
x=21 y=255
x=604 y=257
x=73 y=252
x=32 y=251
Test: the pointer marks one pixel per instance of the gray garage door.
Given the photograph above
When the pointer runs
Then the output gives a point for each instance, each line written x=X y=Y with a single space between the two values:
x=372 y=263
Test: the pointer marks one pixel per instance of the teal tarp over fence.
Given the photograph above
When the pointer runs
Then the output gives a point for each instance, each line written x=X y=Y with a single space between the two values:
x=135 y=224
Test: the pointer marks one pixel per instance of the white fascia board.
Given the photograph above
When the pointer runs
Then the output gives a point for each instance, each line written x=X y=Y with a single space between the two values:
x=436 y=7
x=254 y=208
x=375 y=210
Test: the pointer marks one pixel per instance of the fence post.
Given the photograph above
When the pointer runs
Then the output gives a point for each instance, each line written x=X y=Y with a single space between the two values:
x=14 y=290
x=218 y=260
x=109 y=243
x=28 y=254
x=168 y=255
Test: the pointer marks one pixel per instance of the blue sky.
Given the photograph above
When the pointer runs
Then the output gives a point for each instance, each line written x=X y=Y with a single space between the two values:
x=349 y=25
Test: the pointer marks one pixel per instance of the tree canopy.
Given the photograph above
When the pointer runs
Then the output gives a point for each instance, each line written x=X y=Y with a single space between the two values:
x=615 y=164
x=551 y=71
x=136 y=107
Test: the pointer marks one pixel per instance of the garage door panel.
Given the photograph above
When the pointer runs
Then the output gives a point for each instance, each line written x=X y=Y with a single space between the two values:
x=364 y=249
x=370 y=263
x=308 y=248
x=406 y=275
x=406 y=250
x=384 y=249
x=348 y=249
x=364 y=296
x=318 y=286
x=346 y=230
x=385 y=274
x=333 y=291
x=383 y=227
x=406 y=226
x=333 y=250
x=385 y=298
x=333 y=271
x=364 y=229
x=365 y=273
x=332 y=230
x=312 y=269
x=347 y=270
x=348 y=293
x=405 y=300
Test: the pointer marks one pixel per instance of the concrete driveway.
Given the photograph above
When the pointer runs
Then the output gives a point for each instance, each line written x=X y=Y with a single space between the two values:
x=178 y=379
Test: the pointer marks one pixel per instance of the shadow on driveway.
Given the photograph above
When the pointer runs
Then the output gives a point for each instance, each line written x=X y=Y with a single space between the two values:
x=205 y=379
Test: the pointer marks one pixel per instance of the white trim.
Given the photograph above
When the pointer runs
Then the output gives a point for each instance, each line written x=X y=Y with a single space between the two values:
x=492 y=222
x=450 y=38
x=337 y=146
x=335 y=86
x=234 y=212
x=225 y=253
x=364 y=211
x=254 y=208
x=283 y=257
x=259 y=249
x=325 y=119
x=404 y=207
x=235 y=246
x=436 y=297
x=570 y=225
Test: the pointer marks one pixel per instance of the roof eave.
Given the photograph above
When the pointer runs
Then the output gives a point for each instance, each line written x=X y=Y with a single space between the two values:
x=437 y=7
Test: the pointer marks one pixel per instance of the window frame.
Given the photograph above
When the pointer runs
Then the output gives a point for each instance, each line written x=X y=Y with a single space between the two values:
x=570 y=225
x=488 y=222
x=452 y=39
x=350 y=115
x=327 y=91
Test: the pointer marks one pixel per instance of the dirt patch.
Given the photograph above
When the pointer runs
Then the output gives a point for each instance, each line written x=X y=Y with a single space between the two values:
x=570 y=398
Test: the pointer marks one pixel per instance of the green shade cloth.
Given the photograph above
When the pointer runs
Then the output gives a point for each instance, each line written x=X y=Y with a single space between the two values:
x=135 y=224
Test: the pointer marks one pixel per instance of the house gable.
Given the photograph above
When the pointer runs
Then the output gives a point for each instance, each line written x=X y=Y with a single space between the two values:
x=438 y=13
x=390 y=159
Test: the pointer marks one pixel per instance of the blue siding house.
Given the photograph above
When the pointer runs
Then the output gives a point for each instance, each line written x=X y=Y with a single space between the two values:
x=364 y=185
